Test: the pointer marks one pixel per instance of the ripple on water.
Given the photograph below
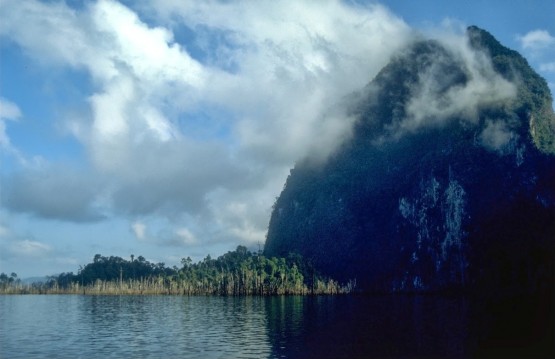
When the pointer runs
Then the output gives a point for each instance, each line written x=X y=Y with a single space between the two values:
x=132 y=326
x=58 y=326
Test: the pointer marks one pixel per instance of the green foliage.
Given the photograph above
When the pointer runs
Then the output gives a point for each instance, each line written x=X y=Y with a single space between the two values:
x=238 y=272
x=115 y=268
x=345 y=215
x=534 y=100
x=8 y=281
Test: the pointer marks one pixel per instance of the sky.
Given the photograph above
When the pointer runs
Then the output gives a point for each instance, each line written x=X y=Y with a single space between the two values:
x=167 y=128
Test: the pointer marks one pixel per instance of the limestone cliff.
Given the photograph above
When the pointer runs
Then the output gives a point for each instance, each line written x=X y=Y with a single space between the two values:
x=448 y=182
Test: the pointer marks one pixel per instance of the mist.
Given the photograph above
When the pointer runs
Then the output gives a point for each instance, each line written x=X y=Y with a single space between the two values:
x=191 y=141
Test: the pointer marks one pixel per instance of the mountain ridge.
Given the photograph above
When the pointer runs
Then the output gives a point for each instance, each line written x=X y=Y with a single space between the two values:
x=453 y=147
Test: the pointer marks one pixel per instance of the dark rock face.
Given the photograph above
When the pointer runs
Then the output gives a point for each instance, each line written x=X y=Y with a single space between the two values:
x=448 y=182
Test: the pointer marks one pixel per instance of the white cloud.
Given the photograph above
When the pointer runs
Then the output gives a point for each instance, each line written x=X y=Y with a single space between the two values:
x=548 y=67
x=244 y=214
x=437 y=97
x=539 y=46
x=185 y=236
x=29 y=248
x=9 y=110
x=19 y=250
x=496 y=135
x=266 y=92
x=536 y=40
x=197 y=138
x=54 y=34
x=206 y=139
x=149 y=52
x=290 y=69
x=139 y=229
x=4 y=138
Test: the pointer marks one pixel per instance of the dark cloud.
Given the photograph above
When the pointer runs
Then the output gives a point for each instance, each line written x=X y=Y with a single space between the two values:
x=54 y=192
x=174 y=177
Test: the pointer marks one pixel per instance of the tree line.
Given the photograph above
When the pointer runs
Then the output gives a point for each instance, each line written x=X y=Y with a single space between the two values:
x=9 y=283
x=239 y=272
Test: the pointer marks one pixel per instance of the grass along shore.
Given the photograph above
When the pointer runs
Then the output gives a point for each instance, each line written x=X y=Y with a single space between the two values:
x=223 y=286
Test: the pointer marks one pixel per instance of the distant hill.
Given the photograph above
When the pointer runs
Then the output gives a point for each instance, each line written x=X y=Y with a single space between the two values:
x=448 y=182
x=32 y=280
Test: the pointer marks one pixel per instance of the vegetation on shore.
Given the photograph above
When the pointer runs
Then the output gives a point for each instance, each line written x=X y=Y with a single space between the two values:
x=238 y=272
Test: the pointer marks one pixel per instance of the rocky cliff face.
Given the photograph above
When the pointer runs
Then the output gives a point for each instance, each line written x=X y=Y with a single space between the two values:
x=447 y=183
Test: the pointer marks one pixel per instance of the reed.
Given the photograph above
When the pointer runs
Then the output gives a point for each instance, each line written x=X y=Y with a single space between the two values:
x=222 y=286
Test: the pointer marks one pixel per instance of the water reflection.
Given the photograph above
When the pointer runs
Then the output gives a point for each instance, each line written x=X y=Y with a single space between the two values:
x=411 y=326
x=274 y=327
x=363 y=326
x=132 y=327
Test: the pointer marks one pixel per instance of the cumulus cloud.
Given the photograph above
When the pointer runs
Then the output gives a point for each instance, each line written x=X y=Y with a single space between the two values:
x=54 y=192
x=29 y=248
x=536 y=40
x=15 y=245
x=23 y=252
x=8 y=111
x=539 y=46
x=244 y=214
x=139 y=229
x=184 y=236
x=288 y=68
x=205 y=130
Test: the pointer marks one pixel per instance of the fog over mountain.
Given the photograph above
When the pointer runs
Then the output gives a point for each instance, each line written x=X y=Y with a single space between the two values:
x=170 y=127
x=447 y=183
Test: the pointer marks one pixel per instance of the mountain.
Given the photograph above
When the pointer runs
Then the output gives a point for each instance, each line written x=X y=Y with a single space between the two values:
x=448 y=182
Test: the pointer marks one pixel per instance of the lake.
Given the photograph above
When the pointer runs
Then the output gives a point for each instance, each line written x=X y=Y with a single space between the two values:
x=76 y=326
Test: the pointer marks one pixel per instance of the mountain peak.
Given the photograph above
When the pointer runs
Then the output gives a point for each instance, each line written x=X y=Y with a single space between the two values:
x=534 y=97
x=480 y=38
x=447 y=183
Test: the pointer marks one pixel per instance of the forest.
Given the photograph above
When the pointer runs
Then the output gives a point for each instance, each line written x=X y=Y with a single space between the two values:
x=439 y=208
x=239 y=272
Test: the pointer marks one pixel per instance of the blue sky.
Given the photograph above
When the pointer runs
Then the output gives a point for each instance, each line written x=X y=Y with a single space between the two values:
x=167 y=128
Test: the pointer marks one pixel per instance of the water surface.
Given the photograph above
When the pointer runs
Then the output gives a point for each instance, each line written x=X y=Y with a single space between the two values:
x=75 y=326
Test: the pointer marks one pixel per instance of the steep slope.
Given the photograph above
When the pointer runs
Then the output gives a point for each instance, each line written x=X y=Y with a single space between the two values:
x=447 y=183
